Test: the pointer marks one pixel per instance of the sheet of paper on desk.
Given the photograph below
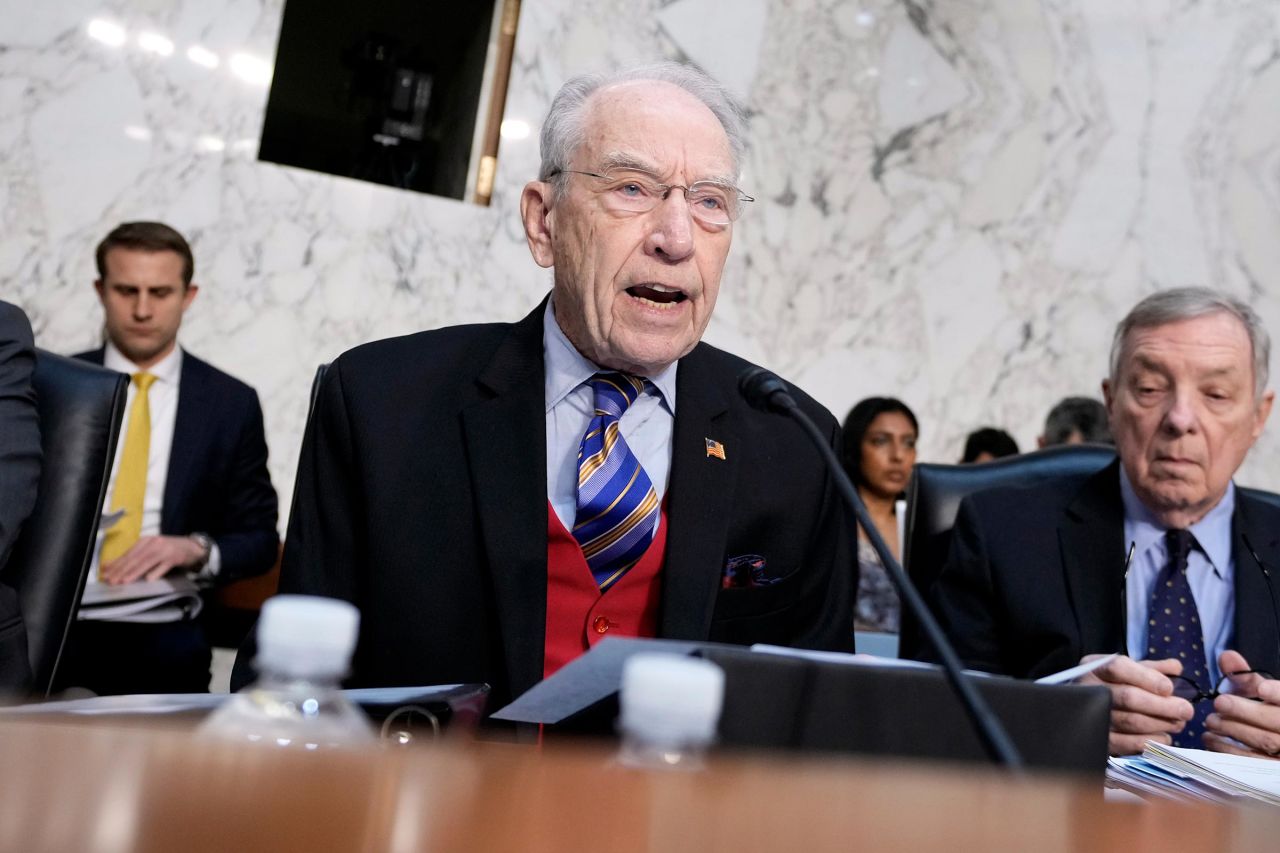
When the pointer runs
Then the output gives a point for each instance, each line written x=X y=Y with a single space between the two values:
x=174 y=703
x=1069 y=675
x=585 y=680
x=103 y=593
x=165 y=600
x=857 y=659
x=1237 y=775
x=840 y=657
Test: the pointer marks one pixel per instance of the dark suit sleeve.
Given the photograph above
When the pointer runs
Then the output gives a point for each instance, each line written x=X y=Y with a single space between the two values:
x=322 y=547
x=320 y=544
x=247 y=540
x=965 y=598
x=19 y=427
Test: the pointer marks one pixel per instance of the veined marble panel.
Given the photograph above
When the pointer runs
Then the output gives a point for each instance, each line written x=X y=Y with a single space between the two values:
x=956 y=201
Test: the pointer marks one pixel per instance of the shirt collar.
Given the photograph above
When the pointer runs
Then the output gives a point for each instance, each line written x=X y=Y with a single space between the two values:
x=167 y=369
x=1212 y=533
x=567 y=368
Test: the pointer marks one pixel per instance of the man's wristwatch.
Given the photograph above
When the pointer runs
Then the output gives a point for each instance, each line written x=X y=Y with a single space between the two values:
x=206 y=545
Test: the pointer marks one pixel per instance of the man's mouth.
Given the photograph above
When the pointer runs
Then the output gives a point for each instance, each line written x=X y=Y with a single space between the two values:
x=659 y=294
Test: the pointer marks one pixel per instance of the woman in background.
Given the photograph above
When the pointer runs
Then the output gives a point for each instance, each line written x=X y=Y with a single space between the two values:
x=879 y=452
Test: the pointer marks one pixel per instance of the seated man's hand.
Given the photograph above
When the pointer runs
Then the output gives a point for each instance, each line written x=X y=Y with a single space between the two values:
x=1239 y=724
x=151 y=558
x=1143 y=706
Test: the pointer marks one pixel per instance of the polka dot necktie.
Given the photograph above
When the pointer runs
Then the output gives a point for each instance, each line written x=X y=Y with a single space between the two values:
x=617 y=505
x=1173 y=629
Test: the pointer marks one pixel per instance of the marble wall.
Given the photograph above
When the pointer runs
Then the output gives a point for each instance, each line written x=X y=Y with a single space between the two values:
x=957 y=200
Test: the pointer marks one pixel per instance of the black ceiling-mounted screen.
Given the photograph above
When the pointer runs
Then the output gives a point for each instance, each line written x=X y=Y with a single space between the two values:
x=385 y=91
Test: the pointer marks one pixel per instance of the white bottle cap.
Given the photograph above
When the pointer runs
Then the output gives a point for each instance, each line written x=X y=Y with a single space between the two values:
x=305 y=636
x=670 y=698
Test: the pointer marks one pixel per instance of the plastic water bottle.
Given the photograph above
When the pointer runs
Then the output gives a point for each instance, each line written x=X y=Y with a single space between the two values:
x=670 y=709
x=304 y=649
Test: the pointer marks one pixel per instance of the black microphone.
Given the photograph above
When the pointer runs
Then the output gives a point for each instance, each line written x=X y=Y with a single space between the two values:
x=1271 y=590
x=765 y=391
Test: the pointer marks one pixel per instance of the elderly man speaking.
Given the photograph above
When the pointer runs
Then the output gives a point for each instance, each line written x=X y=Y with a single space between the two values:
x=497 y=498
x=1159 y=556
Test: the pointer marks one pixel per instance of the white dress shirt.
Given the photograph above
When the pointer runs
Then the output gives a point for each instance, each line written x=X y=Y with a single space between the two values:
x=163 y=402
x=646 y=426
x=1210 y=573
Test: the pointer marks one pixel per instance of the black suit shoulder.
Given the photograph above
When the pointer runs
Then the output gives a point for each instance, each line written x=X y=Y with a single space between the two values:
x=218 y=384
x=728 y=367
x=220 y=387
x=1003 y=595
x=1035 y=505
x=453 y=351
x=20 y=450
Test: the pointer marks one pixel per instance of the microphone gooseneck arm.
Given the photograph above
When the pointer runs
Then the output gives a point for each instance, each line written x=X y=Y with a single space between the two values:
x=767 y=392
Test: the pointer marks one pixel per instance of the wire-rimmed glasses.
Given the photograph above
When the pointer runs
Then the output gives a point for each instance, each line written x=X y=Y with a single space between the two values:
x=633 y=191
x=1186 y=688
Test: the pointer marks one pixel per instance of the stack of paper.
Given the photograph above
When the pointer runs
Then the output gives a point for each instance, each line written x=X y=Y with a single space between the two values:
x=1197 y=775
x=168 y=599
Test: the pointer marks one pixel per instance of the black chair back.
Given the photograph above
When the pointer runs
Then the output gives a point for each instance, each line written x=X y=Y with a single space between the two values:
x=933 y=501
x=81 y=408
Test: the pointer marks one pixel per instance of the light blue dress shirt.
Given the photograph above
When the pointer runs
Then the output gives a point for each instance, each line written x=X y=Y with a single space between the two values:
x=646 y=426
x=1210 y=572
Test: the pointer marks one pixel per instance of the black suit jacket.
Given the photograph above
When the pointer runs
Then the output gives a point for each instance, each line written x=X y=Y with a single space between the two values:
x=422 y=498
x=1035 y=577
x=19 y=479
x=218 y=481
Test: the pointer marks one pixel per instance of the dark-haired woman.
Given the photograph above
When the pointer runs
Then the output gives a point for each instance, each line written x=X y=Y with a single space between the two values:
x=879 y=452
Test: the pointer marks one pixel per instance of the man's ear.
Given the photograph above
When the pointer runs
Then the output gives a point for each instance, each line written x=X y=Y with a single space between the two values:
x=535 y=212
x=101 y=289
x=189 y=296
x=1262 y=412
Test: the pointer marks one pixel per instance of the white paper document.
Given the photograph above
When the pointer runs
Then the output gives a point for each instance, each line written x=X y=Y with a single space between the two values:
x=1197 y=775
x=1069 y=675
x=166 y=600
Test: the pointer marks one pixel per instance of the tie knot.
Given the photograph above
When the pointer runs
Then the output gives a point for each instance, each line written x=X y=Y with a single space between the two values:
x=143 y=380
x=1180 y=543
x=615 y=392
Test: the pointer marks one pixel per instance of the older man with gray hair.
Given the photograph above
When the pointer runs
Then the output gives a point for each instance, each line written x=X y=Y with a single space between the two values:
x=498 y=498
x=1159 y=557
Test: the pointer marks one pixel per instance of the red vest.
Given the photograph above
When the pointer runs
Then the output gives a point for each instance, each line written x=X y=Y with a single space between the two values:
x=578 y=616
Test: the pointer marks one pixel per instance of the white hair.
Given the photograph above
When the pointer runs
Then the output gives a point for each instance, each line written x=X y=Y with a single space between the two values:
x=1188 y=303
x=562 y=132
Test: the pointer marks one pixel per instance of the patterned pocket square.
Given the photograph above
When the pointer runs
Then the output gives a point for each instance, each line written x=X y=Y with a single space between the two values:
x=745 y=572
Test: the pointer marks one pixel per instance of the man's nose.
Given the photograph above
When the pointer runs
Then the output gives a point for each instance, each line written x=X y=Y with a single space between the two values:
x=142 y=307
x=671 y=230
x=1182 y=416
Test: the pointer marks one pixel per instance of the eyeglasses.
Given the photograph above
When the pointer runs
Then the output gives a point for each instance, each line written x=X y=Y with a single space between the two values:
x=633 y=191
x=1185 y=688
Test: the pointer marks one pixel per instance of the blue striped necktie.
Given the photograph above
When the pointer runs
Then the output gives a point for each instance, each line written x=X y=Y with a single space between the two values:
x=617 y=505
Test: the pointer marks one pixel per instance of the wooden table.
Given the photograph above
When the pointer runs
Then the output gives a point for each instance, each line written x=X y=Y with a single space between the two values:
x=94 y=788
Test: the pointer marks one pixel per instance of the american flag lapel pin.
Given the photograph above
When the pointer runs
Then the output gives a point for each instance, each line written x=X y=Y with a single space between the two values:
x=714 y=448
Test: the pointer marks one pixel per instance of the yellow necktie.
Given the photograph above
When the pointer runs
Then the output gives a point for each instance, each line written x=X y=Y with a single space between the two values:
x=131 y=477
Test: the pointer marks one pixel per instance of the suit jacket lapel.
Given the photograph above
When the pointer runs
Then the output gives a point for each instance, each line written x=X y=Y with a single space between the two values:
x=699 y=502
x=1091 y=537
x=1255 y=552
x=193 y=417
x=94 y=356
x=506 y=448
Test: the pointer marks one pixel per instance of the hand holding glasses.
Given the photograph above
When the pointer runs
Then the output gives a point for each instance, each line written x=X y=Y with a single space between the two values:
x=1186 y=688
